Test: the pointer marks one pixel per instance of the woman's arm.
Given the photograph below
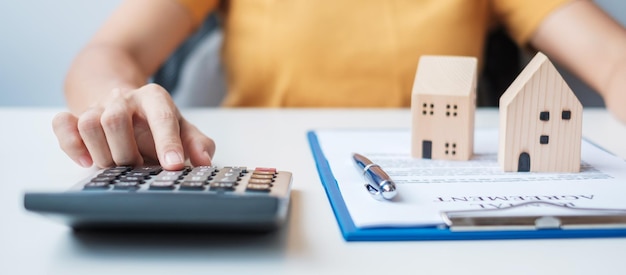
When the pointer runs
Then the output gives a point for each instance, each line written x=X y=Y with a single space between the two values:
x=589 y=43
x=128 y=48
x=116 y=118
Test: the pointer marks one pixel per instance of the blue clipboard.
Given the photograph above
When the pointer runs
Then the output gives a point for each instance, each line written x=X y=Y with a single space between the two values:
x=352 y=233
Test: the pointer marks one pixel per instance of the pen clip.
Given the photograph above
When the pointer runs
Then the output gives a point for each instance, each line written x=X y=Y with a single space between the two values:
x=374 y=191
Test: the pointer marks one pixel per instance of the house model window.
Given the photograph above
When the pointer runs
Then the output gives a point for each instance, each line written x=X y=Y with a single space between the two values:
x=427 y=111
x=451 y=110
x=566 y=115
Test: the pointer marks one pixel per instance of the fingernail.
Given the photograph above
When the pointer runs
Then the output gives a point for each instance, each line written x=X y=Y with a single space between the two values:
x=172 y=157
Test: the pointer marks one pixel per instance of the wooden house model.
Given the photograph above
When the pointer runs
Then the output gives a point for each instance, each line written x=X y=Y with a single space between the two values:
x=443 y=104
x=540 y=122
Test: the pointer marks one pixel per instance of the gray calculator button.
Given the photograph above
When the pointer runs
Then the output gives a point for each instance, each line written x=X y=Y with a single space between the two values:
x=126 y=185
x=238 y=169
x=144 y=175
x=169 y=175
x=96 y=185
x=200 y=174
x=162 y=185
x=196 y=178
x=103 y=179
x=131 y=179
x=120 y=169
x=192 y=185
x=109 y=174
x=222 y=186
x=166 y=178
x=152 y=170
x=204 y=169
x=227 y=179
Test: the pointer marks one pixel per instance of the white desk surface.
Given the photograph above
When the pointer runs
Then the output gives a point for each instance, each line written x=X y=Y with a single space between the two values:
x=309 y=243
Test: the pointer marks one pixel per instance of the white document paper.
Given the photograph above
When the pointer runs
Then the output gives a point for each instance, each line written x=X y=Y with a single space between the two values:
x=428 y=187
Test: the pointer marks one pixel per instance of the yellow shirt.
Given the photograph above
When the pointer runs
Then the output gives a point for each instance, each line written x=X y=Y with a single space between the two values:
x=351 y=53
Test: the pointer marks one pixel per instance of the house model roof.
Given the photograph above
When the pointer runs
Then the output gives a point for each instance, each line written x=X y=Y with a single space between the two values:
x=540 y=68
x=445 y=75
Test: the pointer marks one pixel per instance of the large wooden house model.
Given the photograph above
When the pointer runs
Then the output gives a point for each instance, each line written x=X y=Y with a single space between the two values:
x=540 y=122
x=443 y=104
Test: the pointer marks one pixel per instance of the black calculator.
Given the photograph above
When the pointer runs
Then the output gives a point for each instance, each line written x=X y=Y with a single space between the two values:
x=148 y=197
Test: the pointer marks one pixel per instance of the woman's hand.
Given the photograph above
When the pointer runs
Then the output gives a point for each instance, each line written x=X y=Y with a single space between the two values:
x=133 y=127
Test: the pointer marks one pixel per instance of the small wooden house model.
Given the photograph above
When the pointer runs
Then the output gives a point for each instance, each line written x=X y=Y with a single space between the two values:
x=442 y=107
x=540 y=122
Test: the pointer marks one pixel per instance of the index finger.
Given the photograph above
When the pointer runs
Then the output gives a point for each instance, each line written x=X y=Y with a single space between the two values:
x=164 y=121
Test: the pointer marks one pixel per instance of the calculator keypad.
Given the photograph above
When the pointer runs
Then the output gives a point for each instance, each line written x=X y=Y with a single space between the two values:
x=261 y=180
x=223 y=180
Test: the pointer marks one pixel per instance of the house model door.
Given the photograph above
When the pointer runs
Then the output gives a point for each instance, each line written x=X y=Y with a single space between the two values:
x=523 y=164
x=427 y=148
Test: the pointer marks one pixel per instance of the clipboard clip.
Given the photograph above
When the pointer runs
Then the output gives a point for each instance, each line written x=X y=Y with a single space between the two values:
x=511 y=218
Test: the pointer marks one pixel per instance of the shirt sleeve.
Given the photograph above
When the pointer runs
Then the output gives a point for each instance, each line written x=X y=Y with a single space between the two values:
x=521 y=18
x=198 y=9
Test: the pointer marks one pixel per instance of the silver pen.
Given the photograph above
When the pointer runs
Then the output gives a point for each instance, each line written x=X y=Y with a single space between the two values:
x=378 y=183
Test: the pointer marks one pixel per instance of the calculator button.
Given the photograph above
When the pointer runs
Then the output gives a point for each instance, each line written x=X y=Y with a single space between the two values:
x=131 y=179
x=120 y=169
x=261 y=176
x=227 y=179
x=261 y=172
x=192 y=185
x=259 y=187
x=126 y=185
x=265 y=170
x=201 y=173
x=238 y=169
x=103 y=179
x=97 y=185
x=169 y=174
x=162 y=185
x=114 y=174
x=196 y=178
x=222 y=186
x=204 y=169
x=166 y=178
x=144 y=175
x=261 y=181
x=152 y=170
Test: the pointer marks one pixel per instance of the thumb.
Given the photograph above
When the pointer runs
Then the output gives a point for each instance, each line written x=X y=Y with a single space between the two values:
x=198 y=146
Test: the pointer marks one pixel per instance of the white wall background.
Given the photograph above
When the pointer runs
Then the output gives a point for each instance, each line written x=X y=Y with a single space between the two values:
x=39 y=38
